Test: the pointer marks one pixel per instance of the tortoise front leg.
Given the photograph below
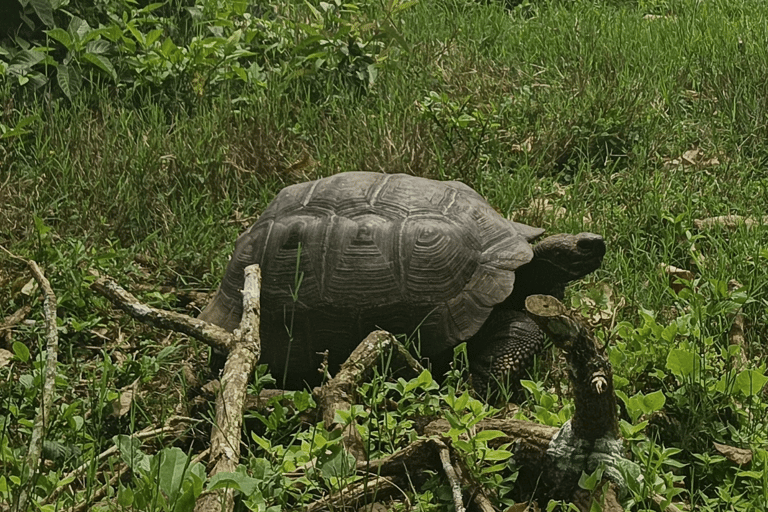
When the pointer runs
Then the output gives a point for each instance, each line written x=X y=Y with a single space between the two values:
x=501 y=353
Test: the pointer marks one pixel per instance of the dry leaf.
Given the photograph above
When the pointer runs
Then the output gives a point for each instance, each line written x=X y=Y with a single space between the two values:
x=675 y=274
x=5 y=357
x=525 y=146
x=690 y=156
x=541 y=207
x=523 y=507
x=29 y=288
x=122 y=404
x=738 y=456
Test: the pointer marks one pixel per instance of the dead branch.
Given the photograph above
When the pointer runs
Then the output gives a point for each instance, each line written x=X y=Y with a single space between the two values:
x=588 y=368
x=450 y=473
x=49 y=377
x=225 y=436
x=16 y=318
x=339 y=393
x=186 y=295
x=212 y=335
x=101 y=491
x=729 y=222
x=389 y=477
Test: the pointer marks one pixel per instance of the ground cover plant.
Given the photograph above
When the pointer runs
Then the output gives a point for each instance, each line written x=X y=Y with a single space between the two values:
x=139 y=139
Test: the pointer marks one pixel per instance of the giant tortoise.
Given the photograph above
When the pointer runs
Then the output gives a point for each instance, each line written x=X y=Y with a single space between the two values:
x=358 y=251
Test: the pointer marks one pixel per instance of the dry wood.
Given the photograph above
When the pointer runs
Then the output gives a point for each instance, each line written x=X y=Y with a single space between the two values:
x=212 y=335
x=589 y=370
x=339 y=393
x=101 y=491
x=391 y=476
x=48 y=395
x=16 y=318
x=187 y=295
x=450 y=473
x=729 y=222
x=226 y=433
x=534 y=435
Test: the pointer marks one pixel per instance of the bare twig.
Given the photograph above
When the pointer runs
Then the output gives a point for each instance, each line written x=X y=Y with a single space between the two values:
x=101 y=491
x=16 y=318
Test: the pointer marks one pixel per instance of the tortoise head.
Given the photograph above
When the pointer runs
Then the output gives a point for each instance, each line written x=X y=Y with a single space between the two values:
x=565 y=257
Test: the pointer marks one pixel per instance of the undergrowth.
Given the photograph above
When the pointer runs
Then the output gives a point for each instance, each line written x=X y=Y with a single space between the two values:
x=139 y=139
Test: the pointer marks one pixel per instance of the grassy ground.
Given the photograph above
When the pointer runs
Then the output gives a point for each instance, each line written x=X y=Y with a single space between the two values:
x=631 y=118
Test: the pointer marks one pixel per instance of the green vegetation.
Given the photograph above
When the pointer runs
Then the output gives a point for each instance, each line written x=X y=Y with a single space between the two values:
x=140 y=139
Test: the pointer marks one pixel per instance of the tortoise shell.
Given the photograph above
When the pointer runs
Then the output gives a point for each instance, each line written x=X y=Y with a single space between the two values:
x=344 y=255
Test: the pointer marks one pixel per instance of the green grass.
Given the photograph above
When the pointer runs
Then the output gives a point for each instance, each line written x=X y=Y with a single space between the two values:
x=588 y=104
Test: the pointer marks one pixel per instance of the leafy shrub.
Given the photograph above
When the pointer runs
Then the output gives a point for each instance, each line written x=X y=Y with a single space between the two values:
x=199 y=48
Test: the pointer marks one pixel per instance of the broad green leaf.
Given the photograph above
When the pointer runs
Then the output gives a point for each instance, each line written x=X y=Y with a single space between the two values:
x=125 y=496
x=174 y=469
x=60 y=35
x=21 y=351
x=130 y=451
x=750 y=382
x=239 y=481
x=69 y=80
x=680 y=362
x=496 y=455
x=102 y=63
x=263 y=443
x=461 y=402
x=336 y=462
x=135 y=32
x=168 y=47
x=653 y=402
x=152 y=37
x=25 y=59
x=669 y=333
x=486 y=435
x=78 y=27
x=151 y=7
x=44 y=11
x=98 y=47
x=113 y=33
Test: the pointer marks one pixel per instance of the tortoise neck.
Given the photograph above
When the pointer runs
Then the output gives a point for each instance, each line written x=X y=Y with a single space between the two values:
x=536 y=277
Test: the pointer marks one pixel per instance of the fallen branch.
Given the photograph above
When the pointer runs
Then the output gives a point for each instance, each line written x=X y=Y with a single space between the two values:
x=225 y=436
x=16 y=318
x=48 y=396
x=340 y=392
x=729 y=222
x=391 y=476
x=212 y=335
